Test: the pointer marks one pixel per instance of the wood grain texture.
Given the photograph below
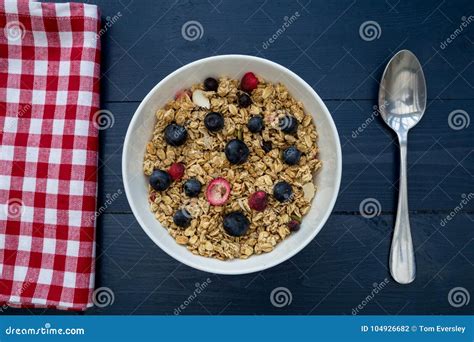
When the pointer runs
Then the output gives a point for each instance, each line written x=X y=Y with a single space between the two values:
x=337 y=271
x=441 y=162
x=332 y=275
x=336 y=61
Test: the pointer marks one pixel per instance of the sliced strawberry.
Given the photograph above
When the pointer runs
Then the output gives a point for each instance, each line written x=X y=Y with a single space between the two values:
x=249 y=82
x=182 y=93
x=218 y=191
x=176 y=171
x=258 y=201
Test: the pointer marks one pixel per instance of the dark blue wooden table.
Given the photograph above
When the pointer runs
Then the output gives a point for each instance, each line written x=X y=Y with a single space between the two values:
x=340 y=48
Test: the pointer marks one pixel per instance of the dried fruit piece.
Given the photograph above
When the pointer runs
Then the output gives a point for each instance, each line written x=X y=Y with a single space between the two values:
x=176 y=171
x=183 y=93
x=294 y=225
x=249 y=82
x=258 y=201
x=218 y=191
x=152 y=197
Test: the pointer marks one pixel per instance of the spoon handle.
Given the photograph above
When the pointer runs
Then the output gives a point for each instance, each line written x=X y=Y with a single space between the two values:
x=402 y=255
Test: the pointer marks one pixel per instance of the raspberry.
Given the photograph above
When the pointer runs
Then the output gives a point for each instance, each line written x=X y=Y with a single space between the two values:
x=294 y=225
x=249 y=82
x=258 y=201
x=176 y=171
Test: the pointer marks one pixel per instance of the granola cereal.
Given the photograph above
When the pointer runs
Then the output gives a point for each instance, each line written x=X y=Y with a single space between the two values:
x=231 y=166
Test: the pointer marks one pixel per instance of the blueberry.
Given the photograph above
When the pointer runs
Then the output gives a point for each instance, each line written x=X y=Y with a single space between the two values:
x=236 y=224
x=211 y=84
x=255 y=124
x=192 y=187
x=236 y=151
x=175 y=134
x=182 y=218
x=214 y=121
x=160 y=180
x=267 y=146
x=291 y=155
x=244 y=100
x=282 y=191
x=288 y=124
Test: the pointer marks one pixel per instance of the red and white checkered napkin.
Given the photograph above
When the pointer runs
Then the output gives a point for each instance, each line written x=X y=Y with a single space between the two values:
x=49 y=92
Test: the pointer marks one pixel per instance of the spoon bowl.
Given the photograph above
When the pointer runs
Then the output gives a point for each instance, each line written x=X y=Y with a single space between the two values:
x=402 y=103
x=402 y=94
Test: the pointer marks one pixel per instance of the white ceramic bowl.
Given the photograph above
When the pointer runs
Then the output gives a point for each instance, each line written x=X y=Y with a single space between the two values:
x=140 y=131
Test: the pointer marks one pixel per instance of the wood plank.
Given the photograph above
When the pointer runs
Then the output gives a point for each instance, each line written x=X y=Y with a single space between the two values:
x=322 y=45
x=347 y=244
x=441 y=160
x=332 y=275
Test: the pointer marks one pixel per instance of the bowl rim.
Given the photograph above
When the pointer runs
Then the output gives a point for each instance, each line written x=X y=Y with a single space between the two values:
x=275 y=261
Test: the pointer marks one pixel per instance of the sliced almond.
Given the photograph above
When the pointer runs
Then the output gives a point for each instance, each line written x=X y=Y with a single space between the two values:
x=308 y=191
x=200 y=99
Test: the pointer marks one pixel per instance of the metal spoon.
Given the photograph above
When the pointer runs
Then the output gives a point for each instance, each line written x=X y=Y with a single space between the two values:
x=402 y=103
